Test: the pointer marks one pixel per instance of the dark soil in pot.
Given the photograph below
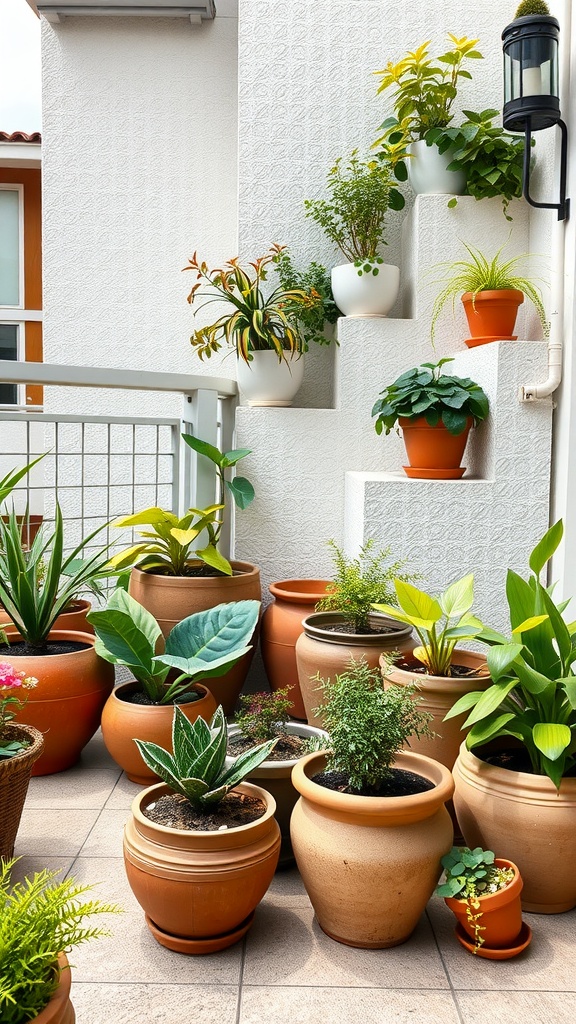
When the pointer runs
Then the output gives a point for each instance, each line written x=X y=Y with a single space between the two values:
x=174 y=811
x=458 y=671
x=400 y=783
x=193 y=570
x=288 y=748
x=139 y=697
x=515 y=760
x=22 y=649
x=348 y=627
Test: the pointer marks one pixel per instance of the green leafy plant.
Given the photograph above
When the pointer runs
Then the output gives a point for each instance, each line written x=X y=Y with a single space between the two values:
x=257 y=322
x=40 y=918
x=533 y=696
x=440 y=623
x=38 y=583
x=170 y=546
x=532 y=7
x=469 y=874
x=426 y=391
x=359 y=582
x=197 y=769
x=361 y=193
x=9 y=482
x=368 y=725
x=203 y=646
x=263 y=716
x=479 y=274
x=12 y=682
x=311 y=319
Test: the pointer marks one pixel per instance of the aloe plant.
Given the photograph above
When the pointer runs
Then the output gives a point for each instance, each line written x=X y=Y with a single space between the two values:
x=197 y=768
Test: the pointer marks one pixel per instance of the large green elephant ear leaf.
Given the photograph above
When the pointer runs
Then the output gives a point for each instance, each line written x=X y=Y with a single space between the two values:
x=127 y=632
x=215 y=633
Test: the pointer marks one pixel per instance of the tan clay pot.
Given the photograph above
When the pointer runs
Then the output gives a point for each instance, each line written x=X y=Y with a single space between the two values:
x=437 y=696
x=67 y=703
x=59 y=1010
x=326 y=652
x=281 y=627
x=370 y=864
x=524 y=816
x=200 y=889
x=173 y=598
x=123 y=722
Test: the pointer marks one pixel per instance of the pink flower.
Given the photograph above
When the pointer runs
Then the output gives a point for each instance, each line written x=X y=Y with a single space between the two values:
x=12 y=679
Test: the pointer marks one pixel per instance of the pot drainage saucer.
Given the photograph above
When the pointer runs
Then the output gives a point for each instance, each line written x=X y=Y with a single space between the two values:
x=488 y=338
x=213 y=944
x=524 y=939
x=434 y=474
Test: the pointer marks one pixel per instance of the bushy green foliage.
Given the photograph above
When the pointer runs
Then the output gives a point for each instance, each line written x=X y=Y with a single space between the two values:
x=532 y=7
x=360 y=582
x=368 y=725
x=314 y=280
x=39 y=919
x=263 y=716
x=426 y=391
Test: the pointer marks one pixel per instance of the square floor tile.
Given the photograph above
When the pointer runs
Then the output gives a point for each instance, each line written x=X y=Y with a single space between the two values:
x=512 y=1007
x=105 y=838
x=95 y=754
x=28 y=866
x=348 y=1005
x=58 y=833
x=123 y=793
x=287 y=888
x=83 y=788
x=154 y=1004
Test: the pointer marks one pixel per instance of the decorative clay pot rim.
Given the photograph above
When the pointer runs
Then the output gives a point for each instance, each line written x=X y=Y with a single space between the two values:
x=312 y=627
x=300 y=729
x=130 y=684
x=282 y=590
x=178 y=833
x=74 y=635
x=493 y=294
x=511 y=889
x=241 y=571
x=508 y=783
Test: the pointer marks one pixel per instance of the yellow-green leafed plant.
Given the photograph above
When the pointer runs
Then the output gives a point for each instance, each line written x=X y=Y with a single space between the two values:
x=39 y=919
x=256 y=321
x=440 y=623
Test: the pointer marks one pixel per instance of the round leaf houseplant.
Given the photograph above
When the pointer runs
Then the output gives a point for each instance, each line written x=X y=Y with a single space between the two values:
x=435 y=412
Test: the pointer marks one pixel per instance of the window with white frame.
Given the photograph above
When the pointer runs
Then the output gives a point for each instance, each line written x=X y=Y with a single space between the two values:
x=11 y=246
x=10 y=335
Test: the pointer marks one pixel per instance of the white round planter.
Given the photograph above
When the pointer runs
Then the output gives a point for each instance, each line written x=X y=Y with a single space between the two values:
x=367 y=295
x=265 y=381
x=428 y=174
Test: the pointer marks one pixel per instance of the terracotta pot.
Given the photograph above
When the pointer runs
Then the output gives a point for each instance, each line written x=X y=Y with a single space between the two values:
x=276 y=778
x=370 y=864
x=433 y=452
x=321 y=650
x=67 y=703
x=437 y=695
x=501 y=920
x=281 y=627
x=491 y=315
x=172 y=598
x=59 y=1010
x=14 y=778
x=525 y=815
x=200 y=889
x=123 y=722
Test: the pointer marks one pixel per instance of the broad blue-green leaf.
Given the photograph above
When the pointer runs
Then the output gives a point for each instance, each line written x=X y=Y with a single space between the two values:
x=231 y=458
x=458 y=598
x=501 y=658
x=546 y=547
x=197 y=668
x=215 y=633
x=127 y=633
x=551 y=738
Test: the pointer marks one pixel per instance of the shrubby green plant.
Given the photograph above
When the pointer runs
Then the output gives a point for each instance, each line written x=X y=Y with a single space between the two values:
x=426 y=391
x=359 y=582
x=311 y=319
x=263 y=716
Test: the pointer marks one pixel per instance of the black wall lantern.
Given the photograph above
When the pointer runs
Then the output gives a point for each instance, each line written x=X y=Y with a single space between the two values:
x=531 y=92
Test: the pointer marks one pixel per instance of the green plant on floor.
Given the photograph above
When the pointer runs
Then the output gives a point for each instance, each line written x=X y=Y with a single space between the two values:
x=368 y=725
x=480 y=274
x=12 y=683
x=439 y=622
x=203 y=646
x=533 y=692
x=359 y=582
x=469 y=874
x=353 y=217
x=312 y=319
x=263 y=716
x=426 y=391
x=40 y=918
x=197 y=768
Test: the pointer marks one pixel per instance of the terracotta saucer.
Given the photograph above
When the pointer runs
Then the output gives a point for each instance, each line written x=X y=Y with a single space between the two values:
x=213 y=944
x=524 y=939
x=434 y=474
x=486 y=339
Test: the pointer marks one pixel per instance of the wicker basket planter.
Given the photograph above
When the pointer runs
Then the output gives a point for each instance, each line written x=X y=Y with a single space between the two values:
x=14 y=778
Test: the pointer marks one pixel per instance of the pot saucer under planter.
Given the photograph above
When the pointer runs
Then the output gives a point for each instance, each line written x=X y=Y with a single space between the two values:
x=367 y=294
x=487 y=953
x=270 y=382
x=475 y=342
x=14 y=779
x=199 y=947
x=434 y=474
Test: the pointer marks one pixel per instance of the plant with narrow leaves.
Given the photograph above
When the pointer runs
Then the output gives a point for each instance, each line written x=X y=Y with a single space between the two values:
x=440 y=623
x=359 y=582
x=40 y=918
x=203 y=646
x=532 y=7
x=10 y=480
x=468 y=875
x=263 y=716
x=426 y=391
x=368 y=725
x=197 y=768
x=315 y=279
x=533 y=696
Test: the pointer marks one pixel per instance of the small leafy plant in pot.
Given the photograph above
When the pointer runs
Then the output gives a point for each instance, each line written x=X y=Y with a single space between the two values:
x=200 y=648
x=20 y=747
x=314 y=321
x=263 y=717
x=201 y=848
x=484 y=894
x=435 y=412
x=353 y=218
x=344 y=624
x=370 y=826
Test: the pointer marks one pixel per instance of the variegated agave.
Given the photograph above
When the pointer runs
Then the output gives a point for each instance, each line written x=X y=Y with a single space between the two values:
x=197 y=767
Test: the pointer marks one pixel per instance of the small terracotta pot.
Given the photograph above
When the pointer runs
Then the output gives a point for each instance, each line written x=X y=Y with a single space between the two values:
x=173 y=598
x=200 y=889
x=14 y=779
x=281 y=627
x=322 y=650
x=67 y=703
x=491 y=315
x=59 y=1010
x=433 y=452
x=123 y=722
x=501 y=920
x=370 y=864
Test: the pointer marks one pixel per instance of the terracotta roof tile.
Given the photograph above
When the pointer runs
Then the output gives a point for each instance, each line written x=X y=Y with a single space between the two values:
x=20 y=137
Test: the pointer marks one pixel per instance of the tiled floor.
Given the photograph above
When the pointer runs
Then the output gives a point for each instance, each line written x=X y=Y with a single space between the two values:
x=286 y=971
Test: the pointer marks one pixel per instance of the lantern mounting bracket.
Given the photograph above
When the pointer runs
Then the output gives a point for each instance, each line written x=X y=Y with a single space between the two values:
x=563 y=206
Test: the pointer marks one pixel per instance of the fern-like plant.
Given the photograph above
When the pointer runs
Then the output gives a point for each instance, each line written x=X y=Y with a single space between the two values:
x=361 y=582
x=39 y=919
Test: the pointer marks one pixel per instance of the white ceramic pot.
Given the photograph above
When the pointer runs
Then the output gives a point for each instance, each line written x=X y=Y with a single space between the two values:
x=428 y=174
x=367 y=295
x=265 y=381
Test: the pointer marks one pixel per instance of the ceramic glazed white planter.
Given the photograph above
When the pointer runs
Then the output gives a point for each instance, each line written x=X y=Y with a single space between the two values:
x=366 y=295
x=428 y=174
x=265 y=381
